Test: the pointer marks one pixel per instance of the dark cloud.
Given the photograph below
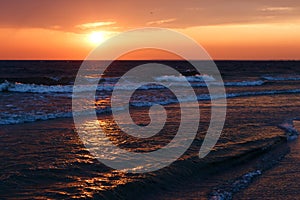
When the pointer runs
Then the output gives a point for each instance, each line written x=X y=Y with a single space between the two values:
x=67 y=15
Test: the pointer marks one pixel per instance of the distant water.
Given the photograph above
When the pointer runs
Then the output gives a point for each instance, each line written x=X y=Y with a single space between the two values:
x=44 y=158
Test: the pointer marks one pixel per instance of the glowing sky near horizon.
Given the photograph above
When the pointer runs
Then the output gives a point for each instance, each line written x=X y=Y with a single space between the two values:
x=259 y=29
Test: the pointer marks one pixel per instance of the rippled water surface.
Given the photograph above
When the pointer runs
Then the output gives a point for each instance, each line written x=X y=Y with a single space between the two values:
x=42 y=156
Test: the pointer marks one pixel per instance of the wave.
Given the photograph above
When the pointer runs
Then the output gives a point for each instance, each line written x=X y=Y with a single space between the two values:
x=236 y=83
x=227 y=190
x=245 y=83
x=145 y=102
x=204 y=97
x=21 y=118
x=196 y=78
x=241 y=94
x=25 y=118
x=206 y=79
x=282 y=78
x=290 y=130
x=239 y=184
x=183 y=170
x=267 y=92
x=34 y=88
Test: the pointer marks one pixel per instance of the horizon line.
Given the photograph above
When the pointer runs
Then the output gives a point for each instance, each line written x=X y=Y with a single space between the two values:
x=151 y=60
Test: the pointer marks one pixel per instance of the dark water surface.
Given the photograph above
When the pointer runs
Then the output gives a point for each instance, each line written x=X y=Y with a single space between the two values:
x=42 y=156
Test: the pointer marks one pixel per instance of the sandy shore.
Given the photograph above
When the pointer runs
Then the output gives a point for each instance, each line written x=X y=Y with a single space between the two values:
x=282 y=182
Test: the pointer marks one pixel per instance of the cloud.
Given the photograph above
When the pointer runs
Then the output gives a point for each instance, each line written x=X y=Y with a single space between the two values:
x=93 y=25
x=274 y=9
x=80 y=15
x=193 y=9
x=162 y=21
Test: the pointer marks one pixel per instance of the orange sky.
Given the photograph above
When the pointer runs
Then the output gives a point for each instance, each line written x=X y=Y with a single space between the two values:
x=232 y=29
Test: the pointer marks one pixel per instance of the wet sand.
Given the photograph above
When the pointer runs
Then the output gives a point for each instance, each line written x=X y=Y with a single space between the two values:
x=282 y=182
x=210 y=181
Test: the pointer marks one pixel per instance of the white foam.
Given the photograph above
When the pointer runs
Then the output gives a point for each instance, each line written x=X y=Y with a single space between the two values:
x=33 y=88
x=245 y=83
x=290 y=130
x=24 y=118
x=20 y=118
x=5 y=85
x=11 y=118
x=267 y=92
x=240 y=183
x=202 y=97
x=196 y=78
x=109 y=86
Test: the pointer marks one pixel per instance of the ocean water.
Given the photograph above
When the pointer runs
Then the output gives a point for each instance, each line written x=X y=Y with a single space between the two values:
x=42 y=156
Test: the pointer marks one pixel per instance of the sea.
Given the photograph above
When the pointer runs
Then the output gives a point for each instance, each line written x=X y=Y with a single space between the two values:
x=42 y=155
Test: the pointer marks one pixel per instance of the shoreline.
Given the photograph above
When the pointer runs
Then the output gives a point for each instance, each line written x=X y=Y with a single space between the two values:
x=59 y=136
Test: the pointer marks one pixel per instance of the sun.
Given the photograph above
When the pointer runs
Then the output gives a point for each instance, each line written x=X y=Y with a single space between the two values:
x=96 y=37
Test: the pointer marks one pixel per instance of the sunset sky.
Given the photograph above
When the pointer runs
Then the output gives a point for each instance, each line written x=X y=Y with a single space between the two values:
x=227 y=29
